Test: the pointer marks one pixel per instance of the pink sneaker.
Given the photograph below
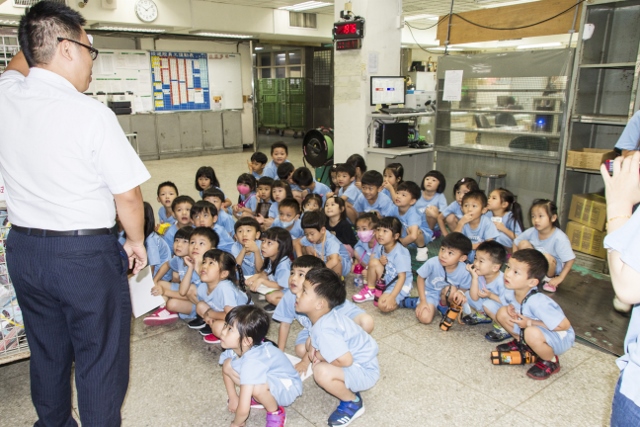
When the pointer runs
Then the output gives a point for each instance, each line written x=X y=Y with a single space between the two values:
x=161 y=316
x=211 y=339
x=277 y=419
x=255 y=404
x=364 y=295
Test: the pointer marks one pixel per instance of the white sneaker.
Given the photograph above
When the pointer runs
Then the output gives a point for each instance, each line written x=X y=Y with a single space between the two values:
x=423 y=254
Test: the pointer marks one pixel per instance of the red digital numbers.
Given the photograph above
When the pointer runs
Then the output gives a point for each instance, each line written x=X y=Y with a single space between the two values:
x=348 y=30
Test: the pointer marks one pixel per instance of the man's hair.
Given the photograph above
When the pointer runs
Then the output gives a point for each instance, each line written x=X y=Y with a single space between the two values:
x=266 y=180
x=203 y=206
x=248 y=221
x=410 y=187
x=372 y=177
x=442 y=182
x=302 y=176
x=285 y=169
x=183 y=233
x=458 y=241
x=327 y=285
x=181 y=199
x=279 y=145
x=259 y=157
x=213 y=192
x=289 y=203
x=167 y=184
x=315 y=219
x=40 y=27
x=495 y=250
x=307 y=261
x=537 y=263
x=477 y=195
x=345 y=168
x=207 y=233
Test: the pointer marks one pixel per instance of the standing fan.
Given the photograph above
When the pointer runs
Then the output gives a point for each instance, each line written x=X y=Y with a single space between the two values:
x=317 y=148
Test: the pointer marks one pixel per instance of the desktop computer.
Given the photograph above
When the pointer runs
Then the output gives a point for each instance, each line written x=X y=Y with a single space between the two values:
x=390 y=135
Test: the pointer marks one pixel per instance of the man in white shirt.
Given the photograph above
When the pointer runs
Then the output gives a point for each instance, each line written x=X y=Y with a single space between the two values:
x=65 y=161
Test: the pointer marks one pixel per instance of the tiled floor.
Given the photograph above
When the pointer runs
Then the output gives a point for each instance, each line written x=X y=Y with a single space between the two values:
x=428 y=377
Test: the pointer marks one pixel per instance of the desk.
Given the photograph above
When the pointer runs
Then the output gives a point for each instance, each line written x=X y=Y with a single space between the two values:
x=416 y=161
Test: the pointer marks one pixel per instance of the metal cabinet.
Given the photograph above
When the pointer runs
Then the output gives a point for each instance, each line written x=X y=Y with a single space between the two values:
x=232 y=129
x=144 y=125
x=168 y=133
x=190 y=131
x=212 y=138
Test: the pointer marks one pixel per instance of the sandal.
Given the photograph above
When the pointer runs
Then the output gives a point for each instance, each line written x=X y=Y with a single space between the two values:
x=549 y=287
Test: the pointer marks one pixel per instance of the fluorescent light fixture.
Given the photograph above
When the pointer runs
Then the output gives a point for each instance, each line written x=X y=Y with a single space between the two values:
x=451 y=49
x=8 y=22
x=308 y=5
x=258 y=48
x=422 y=16
x=507 y=3
x=539 y=45
x=128 y=29
x=221 y=35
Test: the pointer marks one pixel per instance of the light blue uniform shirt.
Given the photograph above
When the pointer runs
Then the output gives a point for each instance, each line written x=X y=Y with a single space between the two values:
x=226 y=221
x=271 y=169
x=364 y=251
x=485 y=230
x=436 y=278
x=438 y=200
x=162 y=214
x=383 y=205
x=226 y=241
x=330 y=246
x=410 y=218
x=273 y=210
x=511 y=224
x=249 y=260
x=352 y=192
x=557 y=245
x=225 y=294
x=282 y=273
x=322 y=190
x=251 y=201
x=398 y=261
x=453 y=208
x=631 y=134
x=158 y=252
x=540 y=307
x=170 y=235
x=296 y=231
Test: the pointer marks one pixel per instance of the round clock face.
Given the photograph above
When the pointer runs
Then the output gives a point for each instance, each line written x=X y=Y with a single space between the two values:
x=146 y=10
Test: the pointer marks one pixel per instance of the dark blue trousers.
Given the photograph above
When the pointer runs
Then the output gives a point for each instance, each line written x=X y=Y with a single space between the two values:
x=75 y=300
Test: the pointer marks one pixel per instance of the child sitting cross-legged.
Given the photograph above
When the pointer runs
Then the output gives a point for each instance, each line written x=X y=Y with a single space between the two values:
x=535 y=321
x=257 y=163
x=366 y=226
x=246 y=249
x=205 y=214
x=289 y=217
x=373 y=199
x=344 y=357
x=167 y=191
x=303 y=178
x=280 y=190
x=413 y=229
x=474 y=223
x=181 y=207
x=216 y=196
x=263 y=373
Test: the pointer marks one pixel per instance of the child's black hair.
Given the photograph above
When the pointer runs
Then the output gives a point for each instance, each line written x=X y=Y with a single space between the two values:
x=181 y=199
x=345 y=168
x=458 y=241
x=250 y=321
x=316 y=220
x=341 y=204
x=265 y=180
x=149 y=220
x=514 y=207
x=396 y=169
x=285 y=247
x=476 y=195
x=410 y=187
x=183 y=233
x=391 y=223
x=470 y=183
x=549 y=206
x=442 y=182
x=167 y=184
x=372 y=217
x=289 y=202
x=279 y=145
x=203 y=206
x=208 y=233
x=535 y=260
x=227 y=262
x=312 y=196
x=259 y=157
x=373 y=178
x=248 y=179
x=327 y=285
x=307 y=261
x=208 y=172
x=282 y=184
x=357 y=161
x=303 y=177
x=285 y=169
x=213 y=192
x=495 y=250
x=248 y=221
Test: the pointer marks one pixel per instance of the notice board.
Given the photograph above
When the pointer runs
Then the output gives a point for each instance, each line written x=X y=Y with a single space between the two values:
x=180 y=81
x=225 y=75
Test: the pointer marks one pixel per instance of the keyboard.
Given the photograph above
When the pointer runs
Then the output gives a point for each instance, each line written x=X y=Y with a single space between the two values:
x=398 y=110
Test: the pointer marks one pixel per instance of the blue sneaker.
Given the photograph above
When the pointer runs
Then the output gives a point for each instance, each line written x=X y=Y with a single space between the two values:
x=346 y=412
x=442 y=309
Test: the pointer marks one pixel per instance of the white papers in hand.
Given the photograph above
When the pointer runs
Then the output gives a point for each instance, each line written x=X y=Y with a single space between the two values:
x=140 y=288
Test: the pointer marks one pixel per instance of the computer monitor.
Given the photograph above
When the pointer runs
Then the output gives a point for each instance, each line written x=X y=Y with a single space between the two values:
x=387 y=90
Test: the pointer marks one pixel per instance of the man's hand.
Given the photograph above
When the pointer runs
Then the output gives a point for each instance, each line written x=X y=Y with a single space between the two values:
x=137 y=255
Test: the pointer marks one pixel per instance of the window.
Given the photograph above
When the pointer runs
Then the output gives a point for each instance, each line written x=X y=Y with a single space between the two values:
x=302 y=20
x=281 y=64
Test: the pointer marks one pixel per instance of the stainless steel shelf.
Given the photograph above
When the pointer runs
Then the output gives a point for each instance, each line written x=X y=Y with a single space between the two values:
x=491 y=110
x=610 y=65
x=600 y=119
x=505 y=130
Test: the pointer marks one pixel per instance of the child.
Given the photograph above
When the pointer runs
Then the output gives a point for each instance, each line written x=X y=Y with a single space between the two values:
x=334 y=178
x=506 y=215
x=285 y=173
x=304 y=179
x=338 y=224
x=474 y=224
x=286 y=311
x=343 y=355
x=247 y=247
x=181 y=208
x=346 y=176
x=216 y=196
x=443 y=279
x=279 y=153
x=221 y=290
x=277 y=251
x=391 y=263
x=247 y=201
x=158 y=252
x=359 y=166
x=280 y=190
x=167 y=192
x=407 y=195
x=263 y=372
x=450 y=216
x=546 y=236
x=289 y=218
x=393 y=175
x=257 y=164
x=205 y=214
x=366 y=226
x=263 y=196
x=373 y=200
x=432 y=201
x=206 y=179
x=312 y=202
x=532 y=318
x=319 y=243
x=487 y=283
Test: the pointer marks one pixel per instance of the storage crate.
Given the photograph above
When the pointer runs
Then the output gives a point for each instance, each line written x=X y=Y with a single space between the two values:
x=271 y=114
x=295 y=90
x=270 y=86
x=588 y=158
x=296 y=116
x=589 y=209
x=586 y=239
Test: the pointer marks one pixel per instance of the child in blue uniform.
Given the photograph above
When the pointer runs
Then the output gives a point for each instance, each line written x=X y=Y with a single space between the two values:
x=280 y=190
x=432 y=201
x=506 y=215
x=393 y=175
x=205 y=214
x=349 y=192
x=261 y=370
x=289 y=218
x=373 y=199
x=318 y=242
x=181 y=207
x=247 y=201
x=285 y=173
x=533 y=316
x=303 y=178
x=413 y=230
x=450 y=216
x=343 y=355
x=247 y=247
x=546 y=236
x=279 y=154
x=216 y=196
x=158 y=252
x=257 y=163
x=167 y=191
x=443 y=279
x=487 y=283
x=474 y=224
x=366 y=226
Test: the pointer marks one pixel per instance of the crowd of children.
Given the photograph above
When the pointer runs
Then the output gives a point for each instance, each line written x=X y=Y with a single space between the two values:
x=292 y=241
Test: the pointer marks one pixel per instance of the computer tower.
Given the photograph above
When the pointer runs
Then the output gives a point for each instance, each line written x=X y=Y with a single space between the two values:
x=389 y=135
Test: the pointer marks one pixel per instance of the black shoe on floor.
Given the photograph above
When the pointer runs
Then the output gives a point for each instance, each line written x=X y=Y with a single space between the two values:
x=206 y=330
x=543 y=369
x=497 y=335
x=269 y=308
x=197 y=323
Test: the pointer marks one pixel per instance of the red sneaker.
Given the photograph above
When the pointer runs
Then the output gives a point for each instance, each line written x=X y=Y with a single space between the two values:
x=543 y=369
x=211 y=339
x=161 y=316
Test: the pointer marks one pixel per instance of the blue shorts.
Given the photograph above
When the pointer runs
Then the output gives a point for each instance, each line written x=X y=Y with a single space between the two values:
x=284 y=390
x=491 y=306
x=476 y=305
x=346 y=266
x=361 y=377
x=404 y=293
x=432 y=297
x=560 y=341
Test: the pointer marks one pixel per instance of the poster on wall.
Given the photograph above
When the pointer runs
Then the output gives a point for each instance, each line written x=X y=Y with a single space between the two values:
x=180 y=81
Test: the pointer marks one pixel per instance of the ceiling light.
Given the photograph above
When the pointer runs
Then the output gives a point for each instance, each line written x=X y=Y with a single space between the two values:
x=451 y=49
x=128 y=29
x=508 y=3
x=258 y=48
x=423 y=16
x=539 y=45
x=221 y=35
x=308 y=5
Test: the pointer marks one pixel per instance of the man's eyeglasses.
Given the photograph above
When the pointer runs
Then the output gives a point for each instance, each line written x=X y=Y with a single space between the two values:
x=92 y=50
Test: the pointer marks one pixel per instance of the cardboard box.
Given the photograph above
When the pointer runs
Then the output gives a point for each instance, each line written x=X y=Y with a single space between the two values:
x=589 y=209
x=586 y=239
x=588 y=158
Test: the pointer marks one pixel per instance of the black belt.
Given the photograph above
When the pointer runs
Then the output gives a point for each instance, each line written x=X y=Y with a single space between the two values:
x=63 y=233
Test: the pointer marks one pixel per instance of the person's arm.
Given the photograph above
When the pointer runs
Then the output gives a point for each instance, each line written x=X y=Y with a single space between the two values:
x=164 y=268
x=473 y=291
x=412 y=236
x=283 y=334
x=185 y=283
x=442 y=225
x=563 y=274
x=131 y=216
x=244 y=406
x=19 y=63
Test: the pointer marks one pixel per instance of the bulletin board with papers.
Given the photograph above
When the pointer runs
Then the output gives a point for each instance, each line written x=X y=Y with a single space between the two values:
x=180 y=81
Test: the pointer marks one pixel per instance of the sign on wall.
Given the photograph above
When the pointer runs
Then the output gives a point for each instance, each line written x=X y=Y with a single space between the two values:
x=180 y=81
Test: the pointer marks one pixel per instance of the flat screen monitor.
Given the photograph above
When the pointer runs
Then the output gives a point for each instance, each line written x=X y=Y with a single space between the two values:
x=387 y=90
